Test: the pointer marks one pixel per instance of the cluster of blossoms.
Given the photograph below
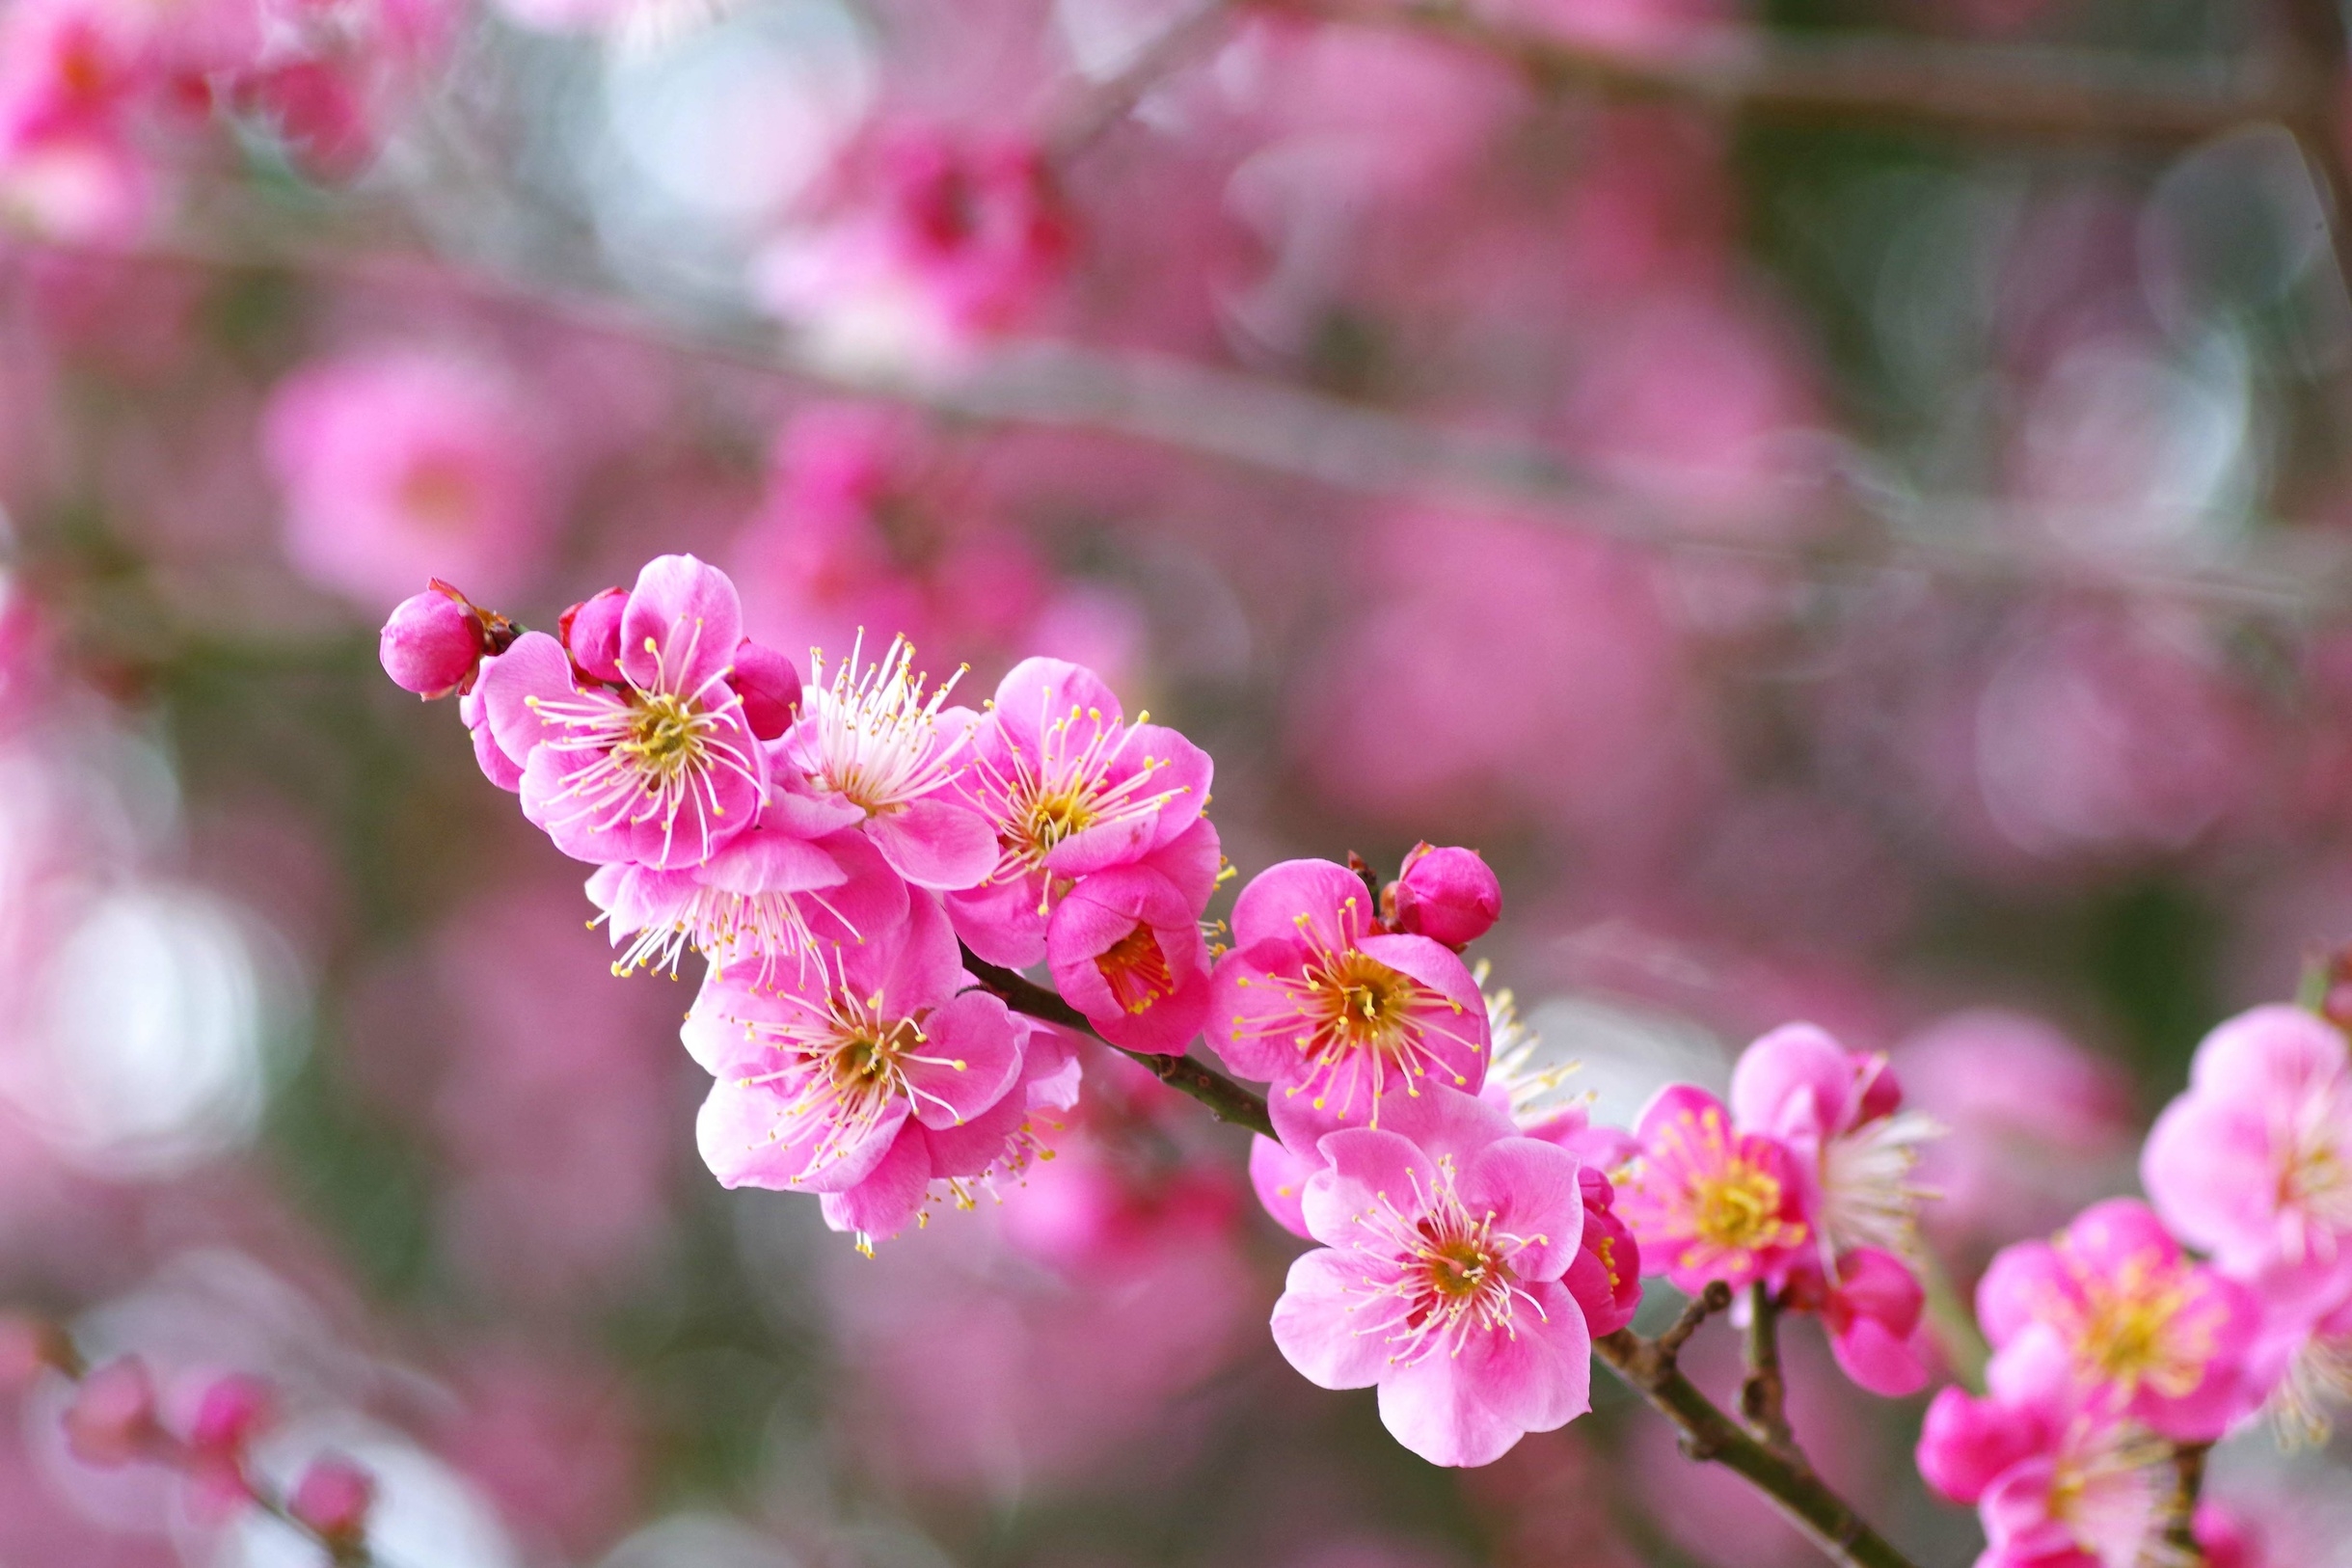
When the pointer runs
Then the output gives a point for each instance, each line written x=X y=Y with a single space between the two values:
x=866 y=867
x=92 y=93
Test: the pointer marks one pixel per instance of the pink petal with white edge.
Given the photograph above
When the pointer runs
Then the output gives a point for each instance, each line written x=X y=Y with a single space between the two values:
x=1531 y=1190
x=934 y=844
x=1365 y=1171
x=761 y=860
x=1795 y=1082
x=688 y=610
x=1471 y=1409
x=891 y=1195
x=1314 y=1329
x=970 y=1061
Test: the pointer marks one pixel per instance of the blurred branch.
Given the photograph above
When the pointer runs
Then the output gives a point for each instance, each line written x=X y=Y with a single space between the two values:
x=1764 y=1393
x=2001 y=91
x=2180 y=1528
x=1226 y=1099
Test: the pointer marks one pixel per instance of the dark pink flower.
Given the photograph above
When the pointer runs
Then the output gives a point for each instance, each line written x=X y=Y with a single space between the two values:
x=1874 y=1314
x=432 y=643
x=1344 y=1019
x=872 y=740
x=1125 y=949
x=661 y=771
x=2149 y=1334
x=1071 y=789
x=1709 y=1202
x=868 y=1076
x=2254 y=1164
x=1445 y=1237
x=1448 y=895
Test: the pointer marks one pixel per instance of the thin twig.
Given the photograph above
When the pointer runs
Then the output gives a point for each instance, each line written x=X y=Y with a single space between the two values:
x=1764 y=1392
x=1696 y=1310
x=2181 y=1524
x=1226 y=1099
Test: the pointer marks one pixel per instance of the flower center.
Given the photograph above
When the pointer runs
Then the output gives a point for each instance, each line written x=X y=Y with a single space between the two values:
x=2138 y=1327
x=1736 y=1207
x=1053 y=818
x=1443 y=1273
x=440 y=494
x=876 y=732
x=1077 y=778
x=665 y=736
x=1136 y=969
x=844 y=1064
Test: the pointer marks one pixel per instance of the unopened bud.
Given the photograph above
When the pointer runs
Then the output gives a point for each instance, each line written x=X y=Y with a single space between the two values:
x=770 y=685
x=1450 y=894
x=432 y=643
x=112 y=1420
x=591 y=632
x=233 y=1411
x=333 y=1498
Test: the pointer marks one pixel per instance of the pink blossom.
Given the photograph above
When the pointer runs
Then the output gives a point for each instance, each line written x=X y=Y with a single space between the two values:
x=661 y=770
x=876 y=748
x=866 y=1078
x=334 y=1497
x=2150 y=1335
x=113 y=1418
x=1125 y=949
x=1448 y=895
x=399 y=465
x=1709 y=1202
x=1070 y=788
x=2303 y=1352
x=1877 y=1330
x=1440 y=1281
x=2254 y=1164
x=1344 y=1018
x=433 y=642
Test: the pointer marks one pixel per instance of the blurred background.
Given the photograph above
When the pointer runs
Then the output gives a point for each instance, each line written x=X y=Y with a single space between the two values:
x=1848 y=503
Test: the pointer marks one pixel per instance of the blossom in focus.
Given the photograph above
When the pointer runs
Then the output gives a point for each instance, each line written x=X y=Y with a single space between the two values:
x=1125 y=949
x=1346 y=1019
x=1070 y=788
x=433 y=642
x=942 y=241
x=1708 y=1201
x=2254 y=1164
x=660 y=767
x=399 y=465
x=2150 y=1334
x=865 y=1078
x=1448 y=895
x=1440 y=1281
x=878 y=748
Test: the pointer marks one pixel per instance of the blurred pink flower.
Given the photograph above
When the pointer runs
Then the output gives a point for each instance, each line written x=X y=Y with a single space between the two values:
x=1447 y=1236
x=1344 y=1018
x=401 y=465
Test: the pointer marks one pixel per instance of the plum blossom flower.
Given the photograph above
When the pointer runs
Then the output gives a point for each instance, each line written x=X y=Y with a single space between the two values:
x=433 y=642
x=1440 y=1281
x=2254 y=1164
x=1450 y=894
x=2149 y=1334
x=2303 y=1354
x=661 y=770
x=871 y=740
x=1125 y=949
x=1873 y=1306
x=864 y=1079
x=1070 y=788
x=1708 y=1201
x=1344 y=1018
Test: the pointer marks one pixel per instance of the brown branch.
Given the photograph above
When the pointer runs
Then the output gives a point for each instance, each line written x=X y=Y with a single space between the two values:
x=1226 y=1099
x=1696 y=1310
x=1764 y=1392
x=2004 y=92
x=2180 y=1524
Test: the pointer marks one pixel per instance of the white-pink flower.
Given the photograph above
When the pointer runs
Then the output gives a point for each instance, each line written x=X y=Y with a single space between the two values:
x=1446 y=1240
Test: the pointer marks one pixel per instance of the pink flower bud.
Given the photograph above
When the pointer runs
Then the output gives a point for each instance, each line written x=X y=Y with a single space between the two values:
x=333 y=1497
x=233 y=1411
x=592 y=635
x=769 y=687
x=431 y=643
x=112 y=1419
x=1448 y=895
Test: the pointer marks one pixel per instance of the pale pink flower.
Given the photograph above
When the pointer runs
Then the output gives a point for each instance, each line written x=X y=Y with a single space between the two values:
x=2150 y=1334
x=661 y=768
x=870 y=740
x=1440 y=1281
x=2254 y=1163
x=1708 y=1201
x=1070 y=788
x=399 y=465
x=1344 y=1018
x=865 y=1078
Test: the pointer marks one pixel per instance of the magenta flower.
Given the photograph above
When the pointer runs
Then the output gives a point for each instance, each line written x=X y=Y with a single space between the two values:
x=432 y=643
x=1709 y=1202
x=867 y=1077
x=2150 y=1335
x=661 y=770
x=1125 y=949
x=1874 y=1314
x=1071 y=789
x=2254 y=1164
x=1343 y=1018
x=401 y=465
x=872 y=740
x=1445 y=1237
